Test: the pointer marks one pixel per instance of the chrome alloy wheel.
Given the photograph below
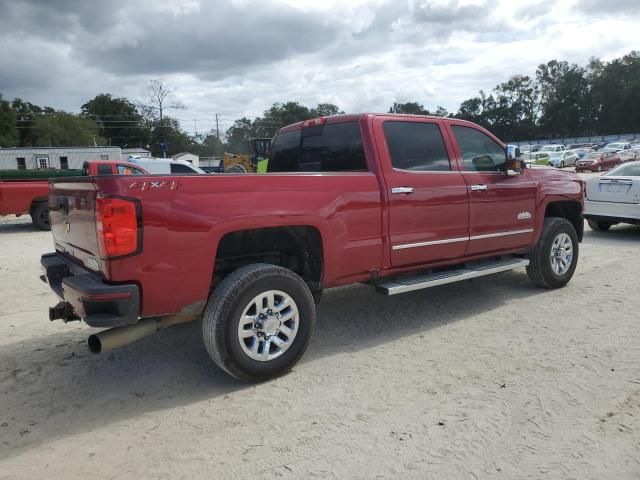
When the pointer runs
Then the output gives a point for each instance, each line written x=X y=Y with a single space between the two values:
x=561 y=254
x=268 y=325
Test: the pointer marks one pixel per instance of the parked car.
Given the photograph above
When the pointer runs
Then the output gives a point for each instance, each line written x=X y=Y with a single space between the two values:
x=581 y=152
x=530 y=148
x=614 y=197
x=627 y=155
x=552 y=148
x=19 y=197
x=616 y=146
x=574 y=146
x=346 y=198
x=166 y=165
x=561 y=159
x=597 y=162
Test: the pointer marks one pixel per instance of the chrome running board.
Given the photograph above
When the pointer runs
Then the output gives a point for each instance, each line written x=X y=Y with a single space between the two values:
x=409 y=284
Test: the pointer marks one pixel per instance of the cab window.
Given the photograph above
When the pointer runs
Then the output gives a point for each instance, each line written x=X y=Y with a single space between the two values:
x=480 y=153
x=336 y=147
x=105 y=170
x=416 y=146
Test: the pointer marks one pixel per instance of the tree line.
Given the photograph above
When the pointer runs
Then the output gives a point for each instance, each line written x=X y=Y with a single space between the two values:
x=562 y=99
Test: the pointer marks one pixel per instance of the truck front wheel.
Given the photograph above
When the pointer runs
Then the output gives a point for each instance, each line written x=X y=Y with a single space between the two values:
x=258 y=322
x=554 y=258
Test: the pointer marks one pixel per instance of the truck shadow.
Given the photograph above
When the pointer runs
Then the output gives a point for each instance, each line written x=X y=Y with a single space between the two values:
x=52 y=387
x=18 y=226
x=618 y=234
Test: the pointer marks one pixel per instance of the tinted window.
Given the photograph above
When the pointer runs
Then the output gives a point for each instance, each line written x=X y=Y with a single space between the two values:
x=480 y=153
x=104 y=170
x=179 y=168
x=285 y=154
x=329 y=148
x=64 y=163
x=416 y=146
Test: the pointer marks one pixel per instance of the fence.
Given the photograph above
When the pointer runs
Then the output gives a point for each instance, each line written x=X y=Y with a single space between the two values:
x=623 y=137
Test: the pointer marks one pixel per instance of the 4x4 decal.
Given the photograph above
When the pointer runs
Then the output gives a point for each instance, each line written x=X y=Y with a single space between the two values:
x=160 y=184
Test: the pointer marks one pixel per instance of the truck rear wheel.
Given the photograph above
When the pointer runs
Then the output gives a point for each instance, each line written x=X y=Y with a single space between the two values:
x=554 y=258
x=40 y=215
x=258 y=322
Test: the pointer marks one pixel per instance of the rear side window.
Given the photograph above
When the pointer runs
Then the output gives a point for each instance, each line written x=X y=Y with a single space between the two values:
x=416 y=146
x=179 y=168
x=480 y=153
x=104 y=170
x=335 y=147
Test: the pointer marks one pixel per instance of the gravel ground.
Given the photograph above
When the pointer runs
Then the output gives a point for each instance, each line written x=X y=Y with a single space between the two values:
x=492 y=378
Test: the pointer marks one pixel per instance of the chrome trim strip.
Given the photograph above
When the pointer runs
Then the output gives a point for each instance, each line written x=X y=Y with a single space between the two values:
x=426 y=244
x=461 y=239
x=501 y=234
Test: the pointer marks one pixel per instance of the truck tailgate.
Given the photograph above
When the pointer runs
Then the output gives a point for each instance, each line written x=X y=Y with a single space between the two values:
x=73 y=221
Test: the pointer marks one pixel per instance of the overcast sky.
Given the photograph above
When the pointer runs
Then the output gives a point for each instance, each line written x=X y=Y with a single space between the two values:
x=237 y=57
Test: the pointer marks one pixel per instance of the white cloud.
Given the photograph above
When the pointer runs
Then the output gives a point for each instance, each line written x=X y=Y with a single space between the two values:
x=238 y=57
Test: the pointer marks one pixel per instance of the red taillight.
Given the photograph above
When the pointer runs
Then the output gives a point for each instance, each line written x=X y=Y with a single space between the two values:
x=117 y=227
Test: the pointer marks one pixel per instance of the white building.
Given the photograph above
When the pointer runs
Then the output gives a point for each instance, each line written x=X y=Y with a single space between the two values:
x=54 y=157
x=189 y=157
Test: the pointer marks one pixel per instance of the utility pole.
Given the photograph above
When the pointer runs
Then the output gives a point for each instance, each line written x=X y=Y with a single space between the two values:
x=217 y=128
x=195 y=127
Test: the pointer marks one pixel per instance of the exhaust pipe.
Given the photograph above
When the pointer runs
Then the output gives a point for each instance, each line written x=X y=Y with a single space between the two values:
x=108 y=340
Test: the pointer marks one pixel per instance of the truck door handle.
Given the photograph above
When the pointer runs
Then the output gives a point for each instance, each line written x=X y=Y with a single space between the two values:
x=405 y=190
x=479 y=188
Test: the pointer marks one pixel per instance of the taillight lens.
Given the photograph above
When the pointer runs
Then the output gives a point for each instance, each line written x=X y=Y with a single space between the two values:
x=117 y=226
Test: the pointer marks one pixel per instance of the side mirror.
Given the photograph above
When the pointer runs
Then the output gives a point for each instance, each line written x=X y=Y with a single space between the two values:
x=512 y=152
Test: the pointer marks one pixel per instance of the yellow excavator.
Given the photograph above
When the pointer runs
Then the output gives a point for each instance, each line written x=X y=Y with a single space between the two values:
x=244 y=163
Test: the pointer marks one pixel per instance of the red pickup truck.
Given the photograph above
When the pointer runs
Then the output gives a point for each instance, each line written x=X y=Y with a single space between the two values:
x=18 y=197
x=400 y=202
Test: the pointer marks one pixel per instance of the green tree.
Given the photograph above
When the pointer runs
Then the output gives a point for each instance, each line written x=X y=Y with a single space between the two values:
x=325 y=110
x=239 y=136
x=61 y=129
x=409 y=107
x=170 y=132
x=8 y=124
x=615 y=94
x=441 y=112
x=26 y=113
x=118 y=119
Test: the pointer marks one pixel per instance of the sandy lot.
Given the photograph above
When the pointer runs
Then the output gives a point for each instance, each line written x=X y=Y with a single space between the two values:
x=486 y=379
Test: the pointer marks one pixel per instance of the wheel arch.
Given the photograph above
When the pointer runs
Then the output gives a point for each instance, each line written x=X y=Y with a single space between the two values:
x=570 y=210
x=299 y=248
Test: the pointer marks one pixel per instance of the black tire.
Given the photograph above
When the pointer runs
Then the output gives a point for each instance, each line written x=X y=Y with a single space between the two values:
x=40 y=215
x=226 y=305
x=540 y=270
x=236 y=168
x=599 y=226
